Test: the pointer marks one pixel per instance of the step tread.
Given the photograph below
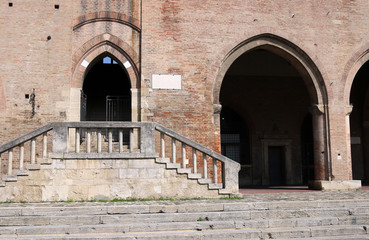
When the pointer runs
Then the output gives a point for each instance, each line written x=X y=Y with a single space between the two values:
x=194 y=175
x=9 y=178
x=33 y=167
x=21 y=172
x=281 y=233
x=173 y=165
x=184 y=170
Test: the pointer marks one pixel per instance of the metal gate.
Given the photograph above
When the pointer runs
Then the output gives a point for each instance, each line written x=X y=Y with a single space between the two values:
x=118 y=108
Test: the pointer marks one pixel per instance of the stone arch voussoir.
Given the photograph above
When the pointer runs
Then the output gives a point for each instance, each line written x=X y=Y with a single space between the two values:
x=97 y=46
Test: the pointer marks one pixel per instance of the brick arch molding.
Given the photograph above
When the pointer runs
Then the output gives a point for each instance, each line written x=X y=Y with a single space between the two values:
x=351 y=69
x=106 y=16
x=283 y=48
x=89 y=51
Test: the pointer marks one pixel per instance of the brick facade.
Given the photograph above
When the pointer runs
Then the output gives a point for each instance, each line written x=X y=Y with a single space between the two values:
x=44 y=45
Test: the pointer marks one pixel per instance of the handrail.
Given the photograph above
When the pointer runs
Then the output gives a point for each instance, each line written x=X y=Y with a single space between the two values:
x=27 y=137
x=191 y=143
x=229 y=168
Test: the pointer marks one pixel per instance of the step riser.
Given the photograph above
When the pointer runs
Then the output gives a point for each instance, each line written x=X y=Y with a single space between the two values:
x=262 y=209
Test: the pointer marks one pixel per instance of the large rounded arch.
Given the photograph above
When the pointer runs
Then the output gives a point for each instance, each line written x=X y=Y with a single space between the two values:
x=284 y=145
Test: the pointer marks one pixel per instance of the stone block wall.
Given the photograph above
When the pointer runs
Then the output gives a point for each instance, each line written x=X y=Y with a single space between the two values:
x=103 y=180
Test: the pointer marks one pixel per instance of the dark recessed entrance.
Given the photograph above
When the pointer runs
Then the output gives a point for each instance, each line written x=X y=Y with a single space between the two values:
x=276 y=161
x=359 y=125
x=106 y=94
x=274 y=145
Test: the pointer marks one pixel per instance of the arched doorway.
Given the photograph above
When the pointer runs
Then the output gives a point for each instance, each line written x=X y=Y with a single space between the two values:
x=270 y=90
x=106 y=91
x=278 y=91
x=359 y=124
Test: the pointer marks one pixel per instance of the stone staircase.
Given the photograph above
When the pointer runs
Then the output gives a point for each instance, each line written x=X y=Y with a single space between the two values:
x=249 y=218
x=195 y=176
x=32 y=166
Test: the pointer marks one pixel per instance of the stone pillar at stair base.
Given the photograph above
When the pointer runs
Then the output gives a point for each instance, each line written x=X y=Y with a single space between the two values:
x=336 y=185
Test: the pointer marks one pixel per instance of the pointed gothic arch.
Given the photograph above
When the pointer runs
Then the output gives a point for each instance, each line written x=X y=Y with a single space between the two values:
x=356 y=99
x=315 y=87
x=284 y=48
x=88 y=54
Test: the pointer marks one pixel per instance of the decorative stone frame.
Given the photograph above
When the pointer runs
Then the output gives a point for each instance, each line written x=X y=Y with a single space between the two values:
x=286 y=144
x=88 y=56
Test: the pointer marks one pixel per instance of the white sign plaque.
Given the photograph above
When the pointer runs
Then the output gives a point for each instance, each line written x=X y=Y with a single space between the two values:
x=166 y=81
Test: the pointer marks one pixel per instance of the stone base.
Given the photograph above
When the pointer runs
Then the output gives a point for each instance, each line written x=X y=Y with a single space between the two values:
x=335 y=185
x=102 y=179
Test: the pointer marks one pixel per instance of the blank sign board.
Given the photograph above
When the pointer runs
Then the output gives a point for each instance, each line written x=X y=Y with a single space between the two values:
x=166 y=81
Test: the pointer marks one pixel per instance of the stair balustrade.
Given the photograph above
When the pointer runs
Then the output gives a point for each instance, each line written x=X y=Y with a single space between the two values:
x=117 y=140
x=214 y=168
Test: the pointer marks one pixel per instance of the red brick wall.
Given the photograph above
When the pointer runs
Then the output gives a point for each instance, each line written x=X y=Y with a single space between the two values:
x=191 y=38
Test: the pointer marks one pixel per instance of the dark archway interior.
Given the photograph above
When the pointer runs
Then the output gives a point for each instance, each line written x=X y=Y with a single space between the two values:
x=265 y=96
x=235 y=136
x=307 y=149
x=107 y=95
x=359 y=124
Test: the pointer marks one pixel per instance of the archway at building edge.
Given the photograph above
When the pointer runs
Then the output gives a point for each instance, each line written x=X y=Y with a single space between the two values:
x=270 y=85
x=359 y=124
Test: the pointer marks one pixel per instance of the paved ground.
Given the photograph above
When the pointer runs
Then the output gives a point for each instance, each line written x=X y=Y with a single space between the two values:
x=300 y=193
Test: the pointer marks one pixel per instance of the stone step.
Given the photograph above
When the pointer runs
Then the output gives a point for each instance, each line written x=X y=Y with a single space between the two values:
x=173 y=165
x=162 y=160
x=9 y=178
x=261 y=208
x=333 y=232
x=44 y=161
x=204 y=181
x=184 y=170
x=265 y=218
x=213 y=186
x=194 y=175
x=33 y=167
x=21 y=172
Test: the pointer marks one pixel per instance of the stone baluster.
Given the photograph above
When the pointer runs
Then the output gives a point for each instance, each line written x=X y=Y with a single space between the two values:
x=120 y=140
x=215 y=170
x=10 y=162
x=205 y=167
x=33 y=151
x=78 y=137
x=131 y=137
x=88 y=140
x=194 y=159
x=183 y=155
x=162 y=145
x=174 y=153
x=99 y=141
x=110 y=140
x=21 y=156
x=44 y=145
